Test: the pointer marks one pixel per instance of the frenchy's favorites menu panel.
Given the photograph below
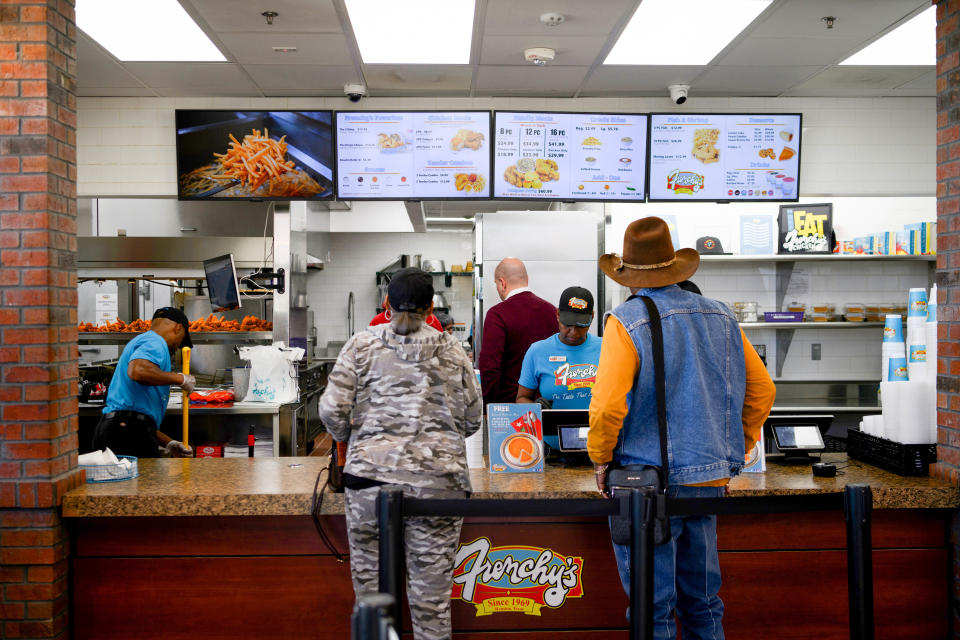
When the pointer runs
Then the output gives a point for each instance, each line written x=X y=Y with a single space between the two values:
x=724 y=156
x=569 y=156
x=408 y=155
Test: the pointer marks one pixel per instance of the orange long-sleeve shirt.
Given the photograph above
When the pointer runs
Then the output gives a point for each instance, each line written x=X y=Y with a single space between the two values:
x=618 y=368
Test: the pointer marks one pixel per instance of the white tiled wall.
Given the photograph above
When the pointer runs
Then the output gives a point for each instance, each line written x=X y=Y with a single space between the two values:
x=850 y=146
x=353 y=260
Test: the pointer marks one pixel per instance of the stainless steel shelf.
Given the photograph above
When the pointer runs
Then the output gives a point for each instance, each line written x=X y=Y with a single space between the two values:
x=198 y=337
x=809 y=325
x=806 y=257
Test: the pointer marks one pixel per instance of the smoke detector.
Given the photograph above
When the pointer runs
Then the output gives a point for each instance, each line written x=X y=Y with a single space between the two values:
x=539 y=55
x=551 y=19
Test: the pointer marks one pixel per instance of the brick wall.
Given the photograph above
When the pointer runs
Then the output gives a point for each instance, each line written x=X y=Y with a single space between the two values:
x=38 y=298
x=948 y=261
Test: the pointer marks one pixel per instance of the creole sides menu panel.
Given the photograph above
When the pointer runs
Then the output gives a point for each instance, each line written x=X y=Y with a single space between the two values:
x=724 y=157
x=569 y=156
x=413 y=155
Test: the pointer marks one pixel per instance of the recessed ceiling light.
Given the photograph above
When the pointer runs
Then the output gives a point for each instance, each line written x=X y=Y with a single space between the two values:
x=682 y=32
x=912 y=43
x=413 y=31
x=146 y=31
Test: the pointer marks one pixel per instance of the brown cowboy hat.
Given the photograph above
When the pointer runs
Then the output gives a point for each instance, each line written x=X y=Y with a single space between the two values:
x=648 y=258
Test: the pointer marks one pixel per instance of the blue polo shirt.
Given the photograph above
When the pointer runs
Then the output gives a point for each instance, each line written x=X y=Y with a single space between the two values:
x=563 y=374
x=125 y=394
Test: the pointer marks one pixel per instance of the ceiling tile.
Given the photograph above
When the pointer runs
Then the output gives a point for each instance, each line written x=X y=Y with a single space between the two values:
x=423 y=79
x=279 y=79
x=312 y=48
x=530 y=79
x=194 y=77
x=96 y=68
x=571 y=50
x=637 y=80
x=294 y=15
x=854 y=78
x=751 y=81
x=115 y=92
x=857 y=20
x=782 y=52
x=597 y=17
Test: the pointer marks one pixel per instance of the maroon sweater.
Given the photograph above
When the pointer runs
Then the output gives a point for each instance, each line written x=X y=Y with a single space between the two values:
x=508 y=331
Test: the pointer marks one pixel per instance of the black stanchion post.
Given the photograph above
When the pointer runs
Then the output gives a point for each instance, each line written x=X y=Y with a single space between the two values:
x=857 y=509
x=371 y=618
x=641 y=563
x=390 y=522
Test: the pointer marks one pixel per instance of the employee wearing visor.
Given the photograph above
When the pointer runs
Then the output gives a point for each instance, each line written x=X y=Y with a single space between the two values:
x=140 y=389
x=559 y=372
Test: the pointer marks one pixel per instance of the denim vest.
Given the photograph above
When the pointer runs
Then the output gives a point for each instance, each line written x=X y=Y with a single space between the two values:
x=705 y=383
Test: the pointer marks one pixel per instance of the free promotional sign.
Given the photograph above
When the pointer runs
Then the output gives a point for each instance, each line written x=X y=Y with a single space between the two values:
x=569 y=156
x=413 y=155
x=705 y=156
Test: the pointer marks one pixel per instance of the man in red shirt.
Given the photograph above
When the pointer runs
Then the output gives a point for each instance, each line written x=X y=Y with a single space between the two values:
x=509 y=329
x=384 y=318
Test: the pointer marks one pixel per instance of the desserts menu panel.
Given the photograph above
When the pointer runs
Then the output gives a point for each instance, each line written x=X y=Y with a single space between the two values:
x=408 y=155
x=724 y=157
x=569 y=156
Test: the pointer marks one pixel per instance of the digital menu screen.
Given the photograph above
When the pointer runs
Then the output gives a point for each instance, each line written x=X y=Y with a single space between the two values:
x=413 y=155
x=569 y=156
x=710 y=156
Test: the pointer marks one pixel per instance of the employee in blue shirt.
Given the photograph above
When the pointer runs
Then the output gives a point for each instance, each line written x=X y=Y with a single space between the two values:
x=140 y=389
x=559 y=372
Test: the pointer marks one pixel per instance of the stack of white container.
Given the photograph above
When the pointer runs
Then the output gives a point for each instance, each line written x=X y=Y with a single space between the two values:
x=908 y=378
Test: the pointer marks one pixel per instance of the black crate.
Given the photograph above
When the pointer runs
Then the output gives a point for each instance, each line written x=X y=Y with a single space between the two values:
x=904 y=459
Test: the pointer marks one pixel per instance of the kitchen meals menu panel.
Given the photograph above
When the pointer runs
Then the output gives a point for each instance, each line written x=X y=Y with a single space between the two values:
x=409 y=155
x=724 y=157
x=569 y=156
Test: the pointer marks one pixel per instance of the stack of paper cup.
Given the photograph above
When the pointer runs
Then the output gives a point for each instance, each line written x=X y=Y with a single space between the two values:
x=474 y=445
x=890 y=405
x=931 y=330
x=913 y=425
x=893 y=345
x=872 y=425
x=917 y=333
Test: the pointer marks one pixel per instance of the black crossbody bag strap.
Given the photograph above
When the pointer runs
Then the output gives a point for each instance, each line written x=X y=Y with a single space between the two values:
x=656 y=336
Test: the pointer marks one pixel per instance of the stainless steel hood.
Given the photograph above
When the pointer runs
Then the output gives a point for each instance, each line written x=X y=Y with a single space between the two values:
x=181 y=258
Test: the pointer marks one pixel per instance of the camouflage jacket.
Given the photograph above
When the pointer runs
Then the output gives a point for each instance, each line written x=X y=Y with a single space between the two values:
x=405 y=403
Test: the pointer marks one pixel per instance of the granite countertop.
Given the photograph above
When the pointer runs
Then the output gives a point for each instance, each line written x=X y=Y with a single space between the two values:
x=284 y=486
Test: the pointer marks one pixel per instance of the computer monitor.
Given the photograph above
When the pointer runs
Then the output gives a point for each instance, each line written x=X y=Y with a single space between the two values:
x=222 y=283
x=566 y=429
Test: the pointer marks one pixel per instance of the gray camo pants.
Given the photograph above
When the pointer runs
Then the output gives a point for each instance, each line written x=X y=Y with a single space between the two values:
x=430 y=546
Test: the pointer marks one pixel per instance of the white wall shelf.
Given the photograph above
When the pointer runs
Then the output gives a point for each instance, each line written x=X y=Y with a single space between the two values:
x=806 y=257
x=810 y=325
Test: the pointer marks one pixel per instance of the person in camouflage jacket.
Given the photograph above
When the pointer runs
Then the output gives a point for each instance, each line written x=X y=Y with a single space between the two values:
x=405 y=396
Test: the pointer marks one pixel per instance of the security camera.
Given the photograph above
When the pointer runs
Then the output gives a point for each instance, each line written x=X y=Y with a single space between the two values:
x=354 y=91
x=678 y=92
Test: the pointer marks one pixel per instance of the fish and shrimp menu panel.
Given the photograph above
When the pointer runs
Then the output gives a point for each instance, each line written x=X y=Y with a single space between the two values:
x=408 y=155
x=569 y=156
x=724 y=157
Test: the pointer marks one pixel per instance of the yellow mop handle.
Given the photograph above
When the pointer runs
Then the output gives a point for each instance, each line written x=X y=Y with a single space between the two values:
x=186 y=399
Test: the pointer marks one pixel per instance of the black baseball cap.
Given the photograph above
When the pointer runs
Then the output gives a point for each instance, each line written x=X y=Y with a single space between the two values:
x=576 y=307
x=709 y=245
x=172 y=313
x=410 y=289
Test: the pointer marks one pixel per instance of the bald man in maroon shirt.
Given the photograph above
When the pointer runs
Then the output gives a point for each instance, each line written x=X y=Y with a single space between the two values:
x=509 y=329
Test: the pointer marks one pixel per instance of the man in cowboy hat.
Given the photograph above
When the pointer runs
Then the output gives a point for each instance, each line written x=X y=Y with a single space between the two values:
x=716 y=388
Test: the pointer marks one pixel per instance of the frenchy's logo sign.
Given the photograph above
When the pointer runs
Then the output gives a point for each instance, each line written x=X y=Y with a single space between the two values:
x=686 y=182
x=517 y=579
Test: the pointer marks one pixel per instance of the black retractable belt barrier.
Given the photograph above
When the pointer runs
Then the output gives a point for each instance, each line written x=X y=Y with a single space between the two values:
x=371 y=618
x=856 y=501
x=858 y=509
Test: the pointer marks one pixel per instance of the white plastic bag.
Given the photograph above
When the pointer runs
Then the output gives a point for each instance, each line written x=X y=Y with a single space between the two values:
x=273 y=374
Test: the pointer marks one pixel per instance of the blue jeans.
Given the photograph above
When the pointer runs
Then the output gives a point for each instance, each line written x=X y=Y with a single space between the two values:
x=686 y=574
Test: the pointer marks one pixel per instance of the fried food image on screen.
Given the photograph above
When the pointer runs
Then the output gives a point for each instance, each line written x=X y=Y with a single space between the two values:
x=704 y=145
x=468 y=182
x=466 y=139
x=389 y=141
x=531 y=174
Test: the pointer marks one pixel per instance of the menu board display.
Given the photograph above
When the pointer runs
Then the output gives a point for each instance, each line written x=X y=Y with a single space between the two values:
x=569 y=156
x=413 y=155
x=709 y=156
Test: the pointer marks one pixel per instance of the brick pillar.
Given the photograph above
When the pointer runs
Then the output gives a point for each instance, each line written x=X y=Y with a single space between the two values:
x=38 y=313
x=948 y=268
